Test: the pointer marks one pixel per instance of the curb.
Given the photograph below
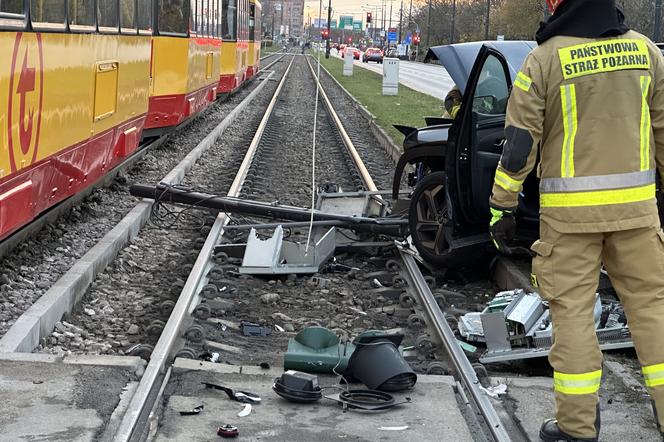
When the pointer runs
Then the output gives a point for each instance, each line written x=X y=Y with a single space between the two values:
x=39 y=320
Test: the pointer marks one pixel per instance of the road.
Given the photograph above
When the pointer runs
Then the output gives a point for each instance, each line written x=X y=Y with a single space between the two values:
x=430 y=79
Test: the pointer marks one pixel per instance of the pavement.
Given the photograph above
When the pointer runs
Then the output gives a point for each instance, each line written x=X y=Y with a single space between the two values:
x=433 y=413
x=430 y=79
x=45 y=397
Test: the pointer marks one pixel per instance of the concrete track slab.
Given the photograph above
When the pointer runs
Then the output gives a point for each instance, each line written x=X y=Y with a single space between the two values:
x=625 y=415
x=432 y=415
x=45 y=399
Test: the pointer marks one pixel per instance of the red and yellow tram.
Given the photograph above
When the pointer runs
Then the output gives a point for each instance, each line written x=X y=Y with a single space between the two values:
x=84 y=81
x=255 y=29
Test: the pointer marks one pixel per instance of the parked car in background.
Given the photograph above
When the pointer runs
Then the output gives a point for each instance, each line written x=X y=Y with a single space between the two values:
x=372 y=54
x=356 y=52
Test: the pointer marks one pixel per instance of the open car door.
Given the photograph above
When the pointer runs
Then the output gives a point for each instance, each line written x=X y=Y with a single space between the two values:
x=481 y=138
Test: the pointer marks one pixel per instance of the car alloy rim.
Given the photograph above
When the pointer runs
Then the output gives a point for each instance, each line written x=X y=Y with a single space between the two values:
x=432 y=214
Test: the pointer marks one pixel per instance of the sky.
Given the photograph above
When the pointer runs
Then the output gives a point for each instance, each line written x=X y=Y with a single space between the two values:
x=352 y=7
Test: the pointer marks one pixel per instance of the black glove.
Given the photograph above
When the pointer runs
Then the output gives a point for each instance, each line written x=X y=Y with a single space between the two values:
x=502 y=229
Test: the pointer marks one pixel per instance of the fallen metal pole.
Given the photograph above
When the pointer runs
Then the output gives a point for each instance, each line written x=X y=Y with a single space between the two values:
x=385 y=226
x=246 y=207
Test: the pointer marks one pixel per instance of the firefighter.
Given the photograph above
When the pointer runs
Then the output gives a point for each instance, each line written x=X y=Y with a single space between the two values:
x=589 y=103
x=452 y=102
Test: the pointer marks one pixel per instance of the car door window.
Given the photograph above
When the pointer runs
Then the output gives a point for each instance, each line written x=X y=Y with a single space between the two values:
x=492 y=88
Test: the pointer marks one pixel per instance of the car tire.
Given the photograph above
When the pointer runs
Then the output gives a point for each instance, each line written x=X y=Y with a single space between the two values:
x=426 y=216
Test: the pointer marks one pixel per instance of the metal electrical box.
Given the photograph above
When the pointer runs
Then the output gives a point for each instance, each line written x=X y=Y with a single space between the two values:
x=348 y=62
x=390 y=76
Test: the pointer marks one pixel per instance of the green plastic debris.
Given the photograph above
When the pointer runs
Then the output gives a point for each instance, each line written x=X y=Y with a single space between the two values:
x=467 y=347
x=318 y=350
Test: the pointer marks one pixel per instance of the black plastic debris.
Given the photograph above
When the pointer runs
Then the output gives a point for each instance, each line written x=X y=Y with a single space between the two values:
x=377 y=363
x=367 y=400
x=228 y=431
x=253 y=329
x=296 y=386
x=192 y=412
x=235 y=395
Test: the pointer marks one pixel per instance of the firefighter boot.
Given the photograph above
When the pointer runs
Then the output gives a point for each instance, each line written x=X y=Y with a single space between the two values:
x=550 y=432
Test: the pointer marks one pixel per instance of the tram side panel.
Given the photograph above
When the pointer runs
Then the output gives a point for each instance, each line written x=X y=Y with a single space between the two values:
x=185 y=62
x=76 y=106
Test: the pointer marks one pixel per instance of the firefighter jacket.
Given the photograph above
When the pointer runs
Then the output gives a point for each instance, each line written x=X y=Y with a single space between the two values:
x=590 y=112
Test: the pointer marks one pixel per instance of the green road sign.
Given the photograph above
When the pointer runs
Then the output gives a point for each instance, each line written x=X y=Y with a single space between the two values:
x=346 y=22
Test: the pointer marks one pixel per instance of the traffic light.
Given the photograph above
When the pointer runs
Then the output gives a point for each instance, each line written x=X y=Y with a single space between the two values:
x=325 y=34
x=369 y=16
x=416 y=39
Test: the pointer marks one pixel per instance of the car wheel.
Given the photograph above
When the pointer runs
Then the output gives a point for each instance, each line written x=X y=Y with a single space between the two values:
x=427 y=216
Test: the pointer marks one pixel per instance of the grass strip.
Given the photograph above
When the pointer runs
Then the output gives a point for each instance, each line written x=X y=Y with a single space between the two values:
x=408 y=108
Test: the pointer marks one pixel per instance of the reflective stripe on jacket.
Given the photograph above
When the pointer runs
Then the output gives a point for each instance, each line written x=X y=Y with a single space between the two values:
x=593 y=109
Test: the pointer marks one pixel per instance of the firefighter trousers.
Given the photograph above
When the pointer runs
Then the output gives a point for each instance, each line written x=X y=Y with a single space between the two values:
x=566 y=269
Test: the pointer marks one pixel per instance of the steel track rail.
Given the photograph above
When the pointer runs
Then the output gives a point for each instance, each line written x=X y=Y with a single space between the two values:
x=147 y=394
x=465 y=372
x=350 y=147
x=8 y=244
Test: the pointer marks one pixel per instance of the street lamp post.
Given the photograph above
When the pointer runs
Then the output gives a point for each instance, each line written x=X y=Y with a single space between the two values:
x=658 y=20
x=429 y=25
x=486 y=21
x=329 y=17
x=453 y=21
x=400 y=21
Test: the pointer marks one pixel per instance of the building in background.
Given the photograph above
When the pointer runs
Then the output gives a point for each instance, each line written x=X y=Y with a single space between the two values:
x=283 y=17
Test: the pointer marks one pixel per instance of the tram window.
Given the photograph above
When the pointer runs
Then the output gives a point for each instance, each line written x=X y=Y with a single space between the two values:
x=11 y=7
x=48 y=14
x=144 y=16
x=174 y=16
x=11 y=14
x=229 y=8
x=128 y=16
x=213 y=18
x=252 y=21
x=81 y=15
x=107 y=15
x=205 y=18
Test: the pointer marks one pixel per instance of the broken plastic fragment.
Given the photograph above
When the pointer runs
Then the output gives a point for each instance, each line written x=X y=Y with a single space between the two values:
x=240 y=396
x=404 y=427
x=246 y=411
x=192 y=412
x=495 y=390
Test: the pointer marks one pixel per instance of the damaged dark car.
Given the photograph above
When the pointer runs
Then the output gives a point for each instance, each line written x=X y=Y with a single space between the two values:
x=455 y=160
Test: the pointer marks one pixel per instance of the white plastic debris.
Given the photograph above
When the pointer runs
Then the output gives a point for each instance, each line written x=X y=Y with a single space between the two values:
x=404 y=427
x=279 y=328
x=246 y=411
x=357 y=310
x=495 y=390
